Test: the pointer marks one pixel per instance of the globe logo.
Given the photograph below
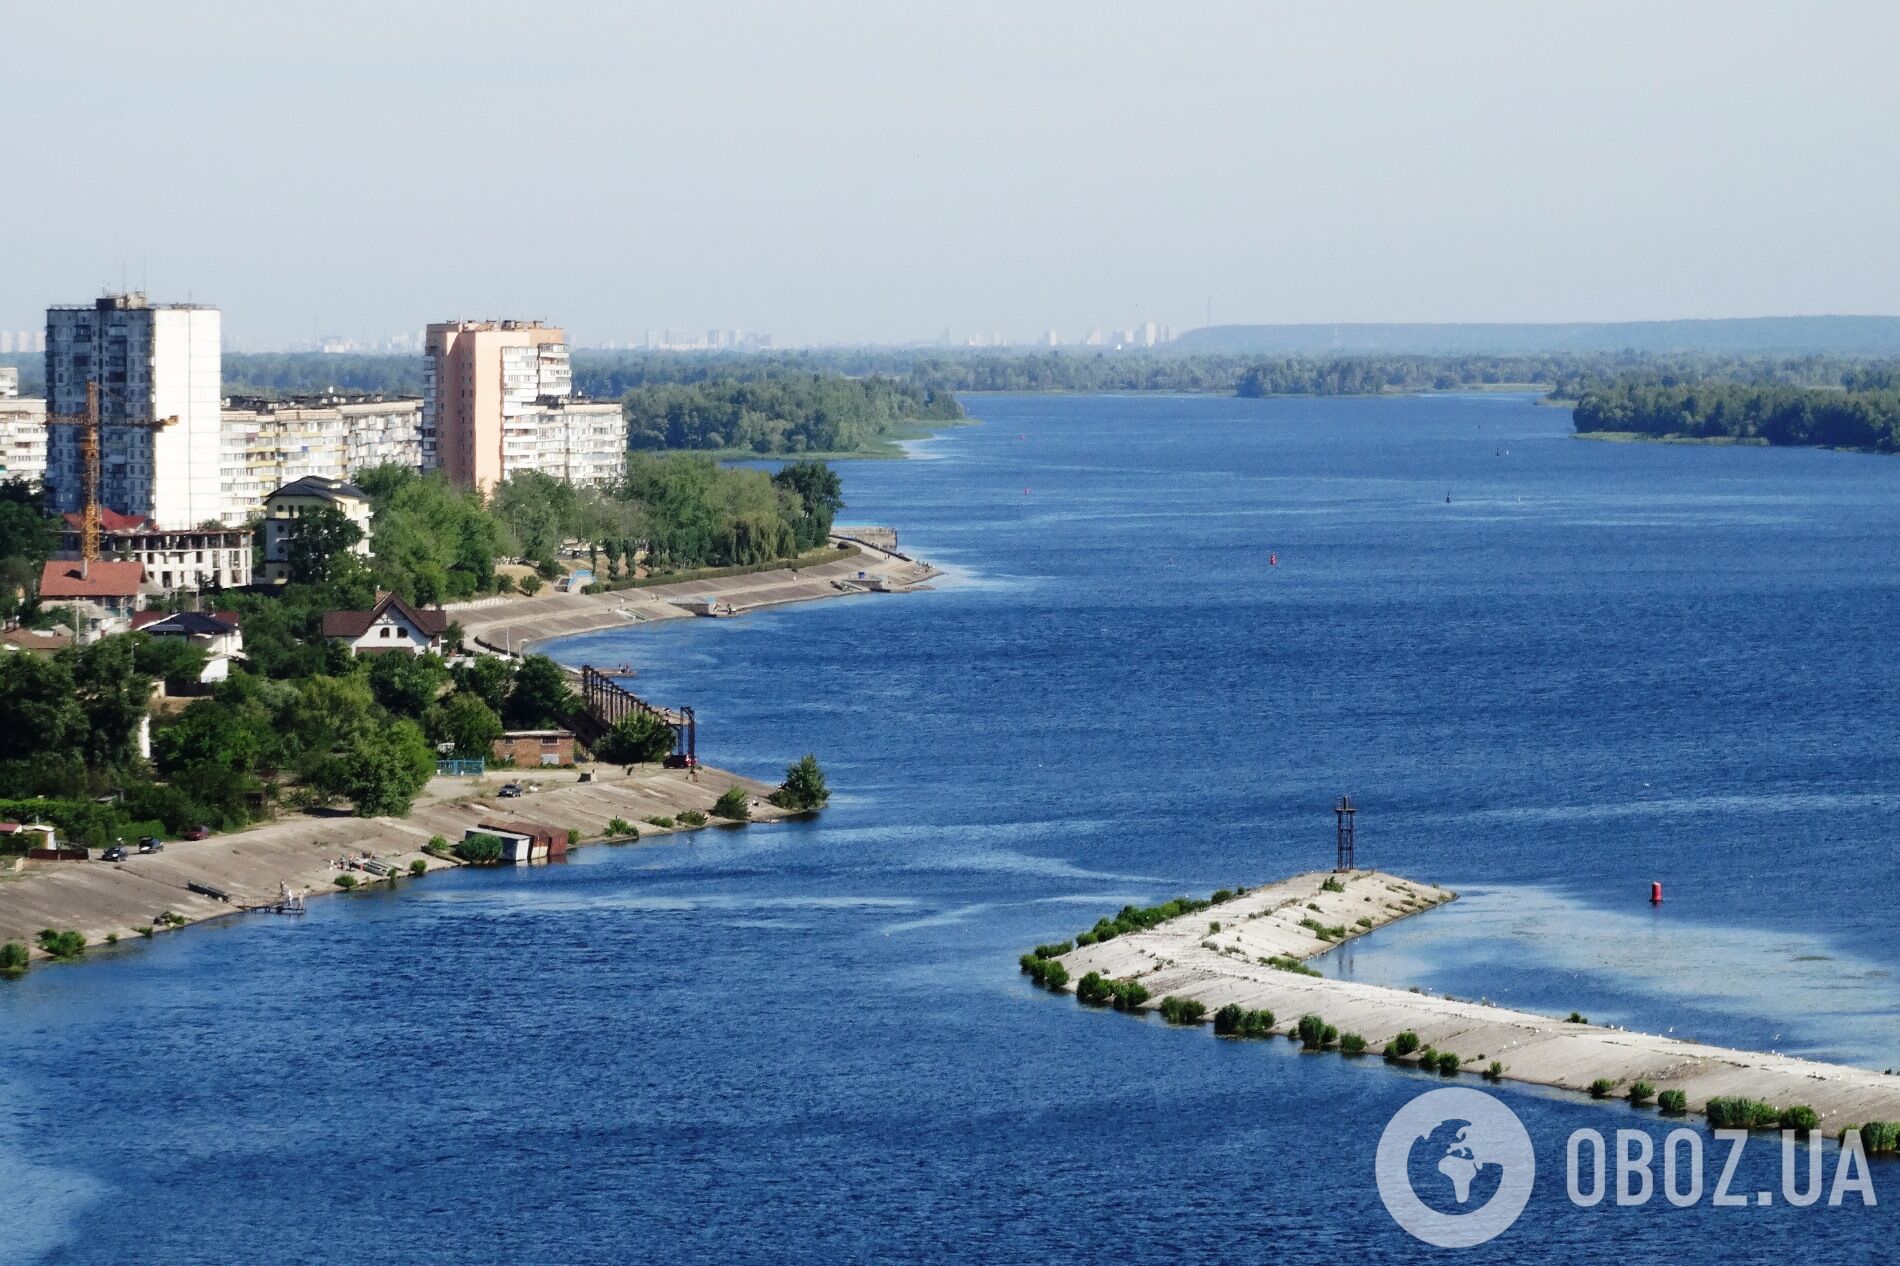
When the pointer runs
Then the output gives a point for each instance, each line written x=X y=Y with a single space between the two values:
x=1455 y=1167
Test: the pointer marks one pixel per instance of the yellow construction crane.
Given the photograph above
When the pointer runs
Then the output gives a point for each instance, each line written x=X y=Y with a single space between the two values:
x=93 y=521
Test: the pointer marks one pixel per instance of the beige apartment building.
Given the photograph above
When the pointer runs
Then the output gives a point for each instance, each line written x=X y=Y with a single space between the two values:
x=270 y=443
x=498 y=399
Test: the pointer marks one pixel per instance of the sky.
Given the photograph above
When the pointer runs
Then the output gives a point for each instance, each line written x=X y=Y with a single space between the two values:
x=882 y=172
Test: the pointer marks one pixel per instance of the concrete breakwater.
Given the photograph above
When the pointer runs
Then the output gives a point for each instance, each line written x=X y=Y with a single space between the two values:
x=1298 y=918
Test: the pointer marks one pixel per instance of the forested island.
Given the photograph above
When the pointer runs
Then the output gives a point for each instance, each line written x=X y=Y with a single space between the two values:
x=790 y=414
x=1858 y=417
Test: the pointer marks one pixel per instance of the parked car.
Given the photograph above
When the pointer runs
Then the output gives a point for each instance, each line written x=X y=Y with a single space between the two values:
x=198 y=833
x=114 y=854
x=510 y=790
x=151 y=844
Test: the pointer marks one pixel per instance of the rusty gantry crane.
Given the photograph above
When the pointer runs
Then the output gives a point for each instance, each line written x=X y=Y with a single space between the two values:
x=93 y=519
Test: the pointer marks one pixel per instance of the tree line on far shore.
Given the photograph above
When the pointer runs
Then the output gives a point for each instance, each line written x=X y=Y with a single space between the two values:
x=1767 y=413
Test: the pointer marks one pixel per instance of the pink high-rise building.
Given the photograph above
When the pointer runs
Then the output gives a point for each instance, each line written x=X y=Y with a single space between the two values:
x=480 y=373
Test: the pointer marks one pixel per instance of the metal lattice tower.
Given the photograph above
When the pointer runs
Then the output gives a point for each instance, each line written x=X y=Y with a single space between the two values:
x=1344 y=811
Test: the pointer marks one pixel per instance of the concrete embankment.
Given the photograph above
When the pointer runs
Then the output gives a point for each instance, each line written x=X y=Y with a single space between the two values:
x=1183 y=957
x=102 y=899
x=511 y=623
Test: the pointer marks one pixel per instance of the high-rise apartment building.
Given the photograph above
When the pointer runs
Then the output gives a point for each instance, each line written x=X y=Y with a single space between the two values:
x=498 y=400
x=151 y=361
x=22 y=438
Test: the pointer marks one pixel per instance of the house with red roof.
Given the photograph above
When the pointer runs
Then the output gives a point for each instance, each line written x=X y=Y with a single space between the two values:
x=390 y=625
x=106 y=593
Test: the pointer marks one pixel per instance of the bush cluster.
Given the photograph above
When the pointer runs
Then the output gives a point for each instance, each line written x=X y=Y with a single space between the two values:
x=1046 y=972
x=13 y=958
x=1402 y=1045
x=1325 y=932
x=1286 y=962
x=1734 y=1112
x=64 y=946
x=692 y=817
x=1182 y=1010
x=1672 y=1103
x=1315 y=1034
x=1234 y=1020
x=1641 y=1092
x=1136 y=918
x=1878 y=1136
x=1601 y=1088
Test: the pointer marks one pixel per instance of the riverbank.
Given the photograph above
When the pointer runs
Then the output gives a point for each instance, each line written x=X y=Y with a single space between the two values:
x=103 y=900
x=511 y=624
x=1643 y=437
x=1186 y=957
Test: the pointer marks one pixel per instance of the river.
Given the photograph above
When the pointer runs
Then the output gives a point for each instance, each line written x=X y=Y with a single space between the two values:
x=1173 y=630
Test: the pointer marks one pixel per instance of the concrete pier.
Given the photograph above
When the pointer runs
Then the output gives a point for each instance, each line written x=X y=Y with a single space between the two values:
x=1185 y=958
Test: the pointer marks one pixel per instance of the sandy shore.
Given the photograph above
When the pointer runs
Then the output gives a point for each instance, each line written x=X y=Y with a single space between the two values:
x=101 y=899
x=1182 y=957
x=509 y=624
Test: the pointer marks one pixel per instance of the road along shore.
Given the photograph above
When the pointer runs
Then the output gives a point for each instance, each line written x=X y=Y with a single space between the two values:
x=1184 y=958
x=510 y=624
x=103 y=899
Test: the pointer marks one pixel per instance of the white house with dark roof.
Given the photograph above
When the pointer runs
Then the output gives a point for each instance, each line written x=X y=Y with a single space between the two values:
x=284 y=510
x=390 y=625
x=215 y=633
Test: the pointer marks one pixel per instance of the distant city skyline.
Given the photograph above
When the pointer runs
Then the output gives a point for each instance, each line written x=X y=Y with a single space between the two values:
x=840 y=173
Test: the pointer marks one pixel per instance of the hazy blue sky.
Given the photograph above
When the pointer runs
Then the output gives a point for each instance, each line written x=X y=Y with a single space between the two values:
x=882 y=171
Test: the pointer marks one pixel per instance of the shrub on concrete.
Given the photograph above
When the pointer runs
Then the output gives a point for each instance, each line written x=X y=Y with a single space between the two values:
x=345 y=882
x=63 y=945
x=1733 y=1112
x=1673 y=1103
x=13 y=958
x=1601 y=1088
x=1447 y=1064
x=1351 y=1044
x=1234 y=1020
x=1054 y=976
x=1094 y=990
x=1182 y=1010
x=733 y=804
x=1405 y=1043
x=1136 y=918
x=1878 y=1136
x=418 y=867
x=1129 y=994
x=1332 y=885
x=437 y=846
x=1055 y=949
x=1286 y=962
x=573 y=836
x=1576 y=1017
x=479 y=849
x=1641 y=1092
x=619 y=828
x=1495 y=1072
x=692 y=817
x=1324 y=931
x=1315 y=1034
x=1800 y=1118
x=665 y=824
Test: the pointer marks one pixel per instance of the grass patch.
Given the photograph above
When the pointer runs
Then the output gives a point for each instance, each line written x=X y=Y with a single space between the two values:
x=692 y=817
x=1286 y=962
x=665 y=824
x=1332 y=885
x=1325 y=932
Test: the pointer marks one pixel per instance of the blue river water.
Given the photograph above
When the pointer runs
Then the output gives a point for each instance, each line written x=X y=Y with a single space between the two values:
x=1173 y=631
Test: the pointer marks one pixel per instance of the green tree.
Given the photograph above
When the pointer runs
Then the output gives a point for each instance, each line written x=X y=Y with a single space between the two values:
x=407 y=684
x=733 y=803
x=114 y=695
x=170 y=659
x=42 y=712
x=381 y=772
x=639 y=739
x=820 y=496
x=804 y=785
x=540 y=697
x=464 y=720
x=321 y=536
x=488 y=677
x=531 y=584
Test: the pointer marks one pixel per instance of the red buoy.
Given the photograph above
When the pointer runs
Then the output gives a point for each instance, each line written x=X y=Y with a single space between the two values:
x=1655 y=894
